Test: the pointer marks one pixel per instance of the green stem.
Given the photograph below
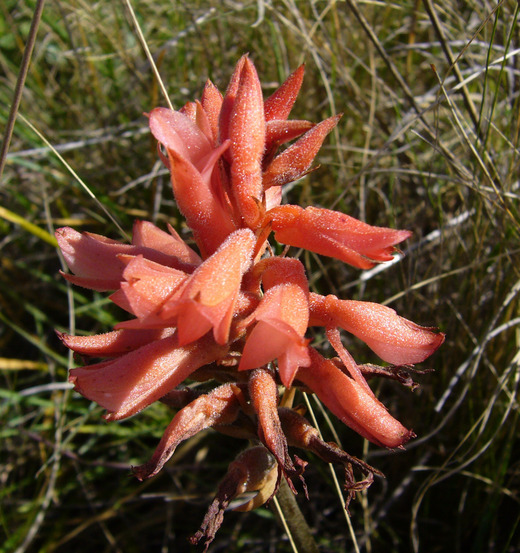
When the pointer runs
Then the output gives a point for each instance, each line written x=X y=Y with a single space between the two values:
x=296 y=523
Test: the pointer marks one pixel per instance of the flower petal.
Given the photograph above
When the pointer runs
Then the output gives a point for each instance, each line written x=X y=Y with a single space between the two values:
x=228 y=102
x=295 y=162
x=96 y=260
x=205 y=214
x=149 y=286
x=93 y=258
x=178 y=133
x=395 y=339
x=334 y=234
x=218 y=407
x=280 y=103
x=351 y=404
x=212 y=104
x=113 y=344
x=210 y=296
x=247 y=135
x=130 y=383
x=281 y=317
x=146 y=234
x=279 y=132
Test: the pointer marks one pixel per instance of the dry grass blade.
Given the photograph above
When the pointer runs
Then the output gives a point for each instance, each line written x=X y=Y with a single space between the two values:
x=334 y=477
x=20 y=83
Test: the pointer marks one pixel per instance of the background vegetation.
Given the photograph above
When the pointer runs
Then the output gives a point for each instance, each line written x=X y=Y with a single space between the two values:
x=429 y=142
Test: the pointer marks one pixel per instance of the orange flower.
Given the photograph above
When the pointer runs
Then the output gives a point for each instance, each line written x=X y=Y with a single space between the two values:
x=210 y=296
x=281 y=318
x=395 y=339
x=334 y=234
x=192 y=161
x=131 y=382
x=351 y=403
x=235 y=313
x=96 y=261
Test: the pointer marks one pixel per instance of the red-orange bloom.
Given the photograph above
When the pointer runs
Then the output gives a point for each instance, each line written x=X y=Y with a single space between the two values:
x=133 y=381
x=96 y=263
x=209 y=298
x=395 y=339
x=234 y=313
x=334 y=234
x=351 y=403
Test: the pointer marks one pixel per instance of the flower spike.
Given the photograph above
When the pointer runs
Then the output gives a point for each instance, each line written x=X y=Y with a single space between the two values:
x=233 y=317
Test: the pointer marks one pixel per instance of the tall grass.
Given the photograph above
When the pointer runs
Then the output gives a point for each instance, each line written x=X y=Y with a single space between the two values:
x=429 y=141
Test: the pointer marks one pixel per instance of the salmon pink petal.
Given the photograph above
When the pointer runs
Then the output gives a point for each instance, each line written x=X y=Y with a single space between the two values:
x=209 y=298
x=93 y=258
x=130 y=383
x=395 y=339
x=178 y=133
x=282 y=317
x=349 y=365
x=202 y=121
x=207 y=217
x=334 y=234
x=272 y=339
x=211 y=102
x=98 y=284
x=282 y=270
x=351 y=404
x=112 y=344
x=218 y=407
x=149 y=285
x=146 y=234
x=279 y=132
x=280 y=103
x=146 y=297
x=295 y=162
x=229 y=101
x=247 y=135
x=96 y=260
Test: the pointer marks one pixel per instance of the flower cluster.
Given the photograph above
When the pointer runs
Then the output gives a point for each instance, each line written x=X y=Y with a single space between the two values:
x=233 y=313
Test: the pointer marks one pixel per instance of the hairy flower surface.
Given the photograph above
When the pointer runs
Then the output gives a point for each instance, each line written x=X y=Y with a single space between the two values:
x=234 y=313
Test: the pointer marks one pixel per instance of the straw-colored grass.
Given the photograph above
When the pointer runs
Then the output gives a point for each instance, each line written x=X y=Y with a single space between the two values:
x=429 y=141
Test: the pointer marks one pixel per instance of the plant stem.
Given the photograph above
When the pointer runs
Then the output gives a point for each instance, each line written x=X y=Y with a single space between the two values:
x=20 y=82
x=296 y=523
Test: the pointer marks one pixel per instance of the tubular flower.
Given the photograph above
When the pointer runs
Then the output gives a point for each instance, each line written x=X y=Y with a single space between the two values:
x=233 y=313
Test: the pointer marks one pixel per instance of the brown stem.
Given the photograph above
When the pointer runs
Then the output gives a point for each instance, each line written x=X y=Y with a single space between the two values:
x=20 y=82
